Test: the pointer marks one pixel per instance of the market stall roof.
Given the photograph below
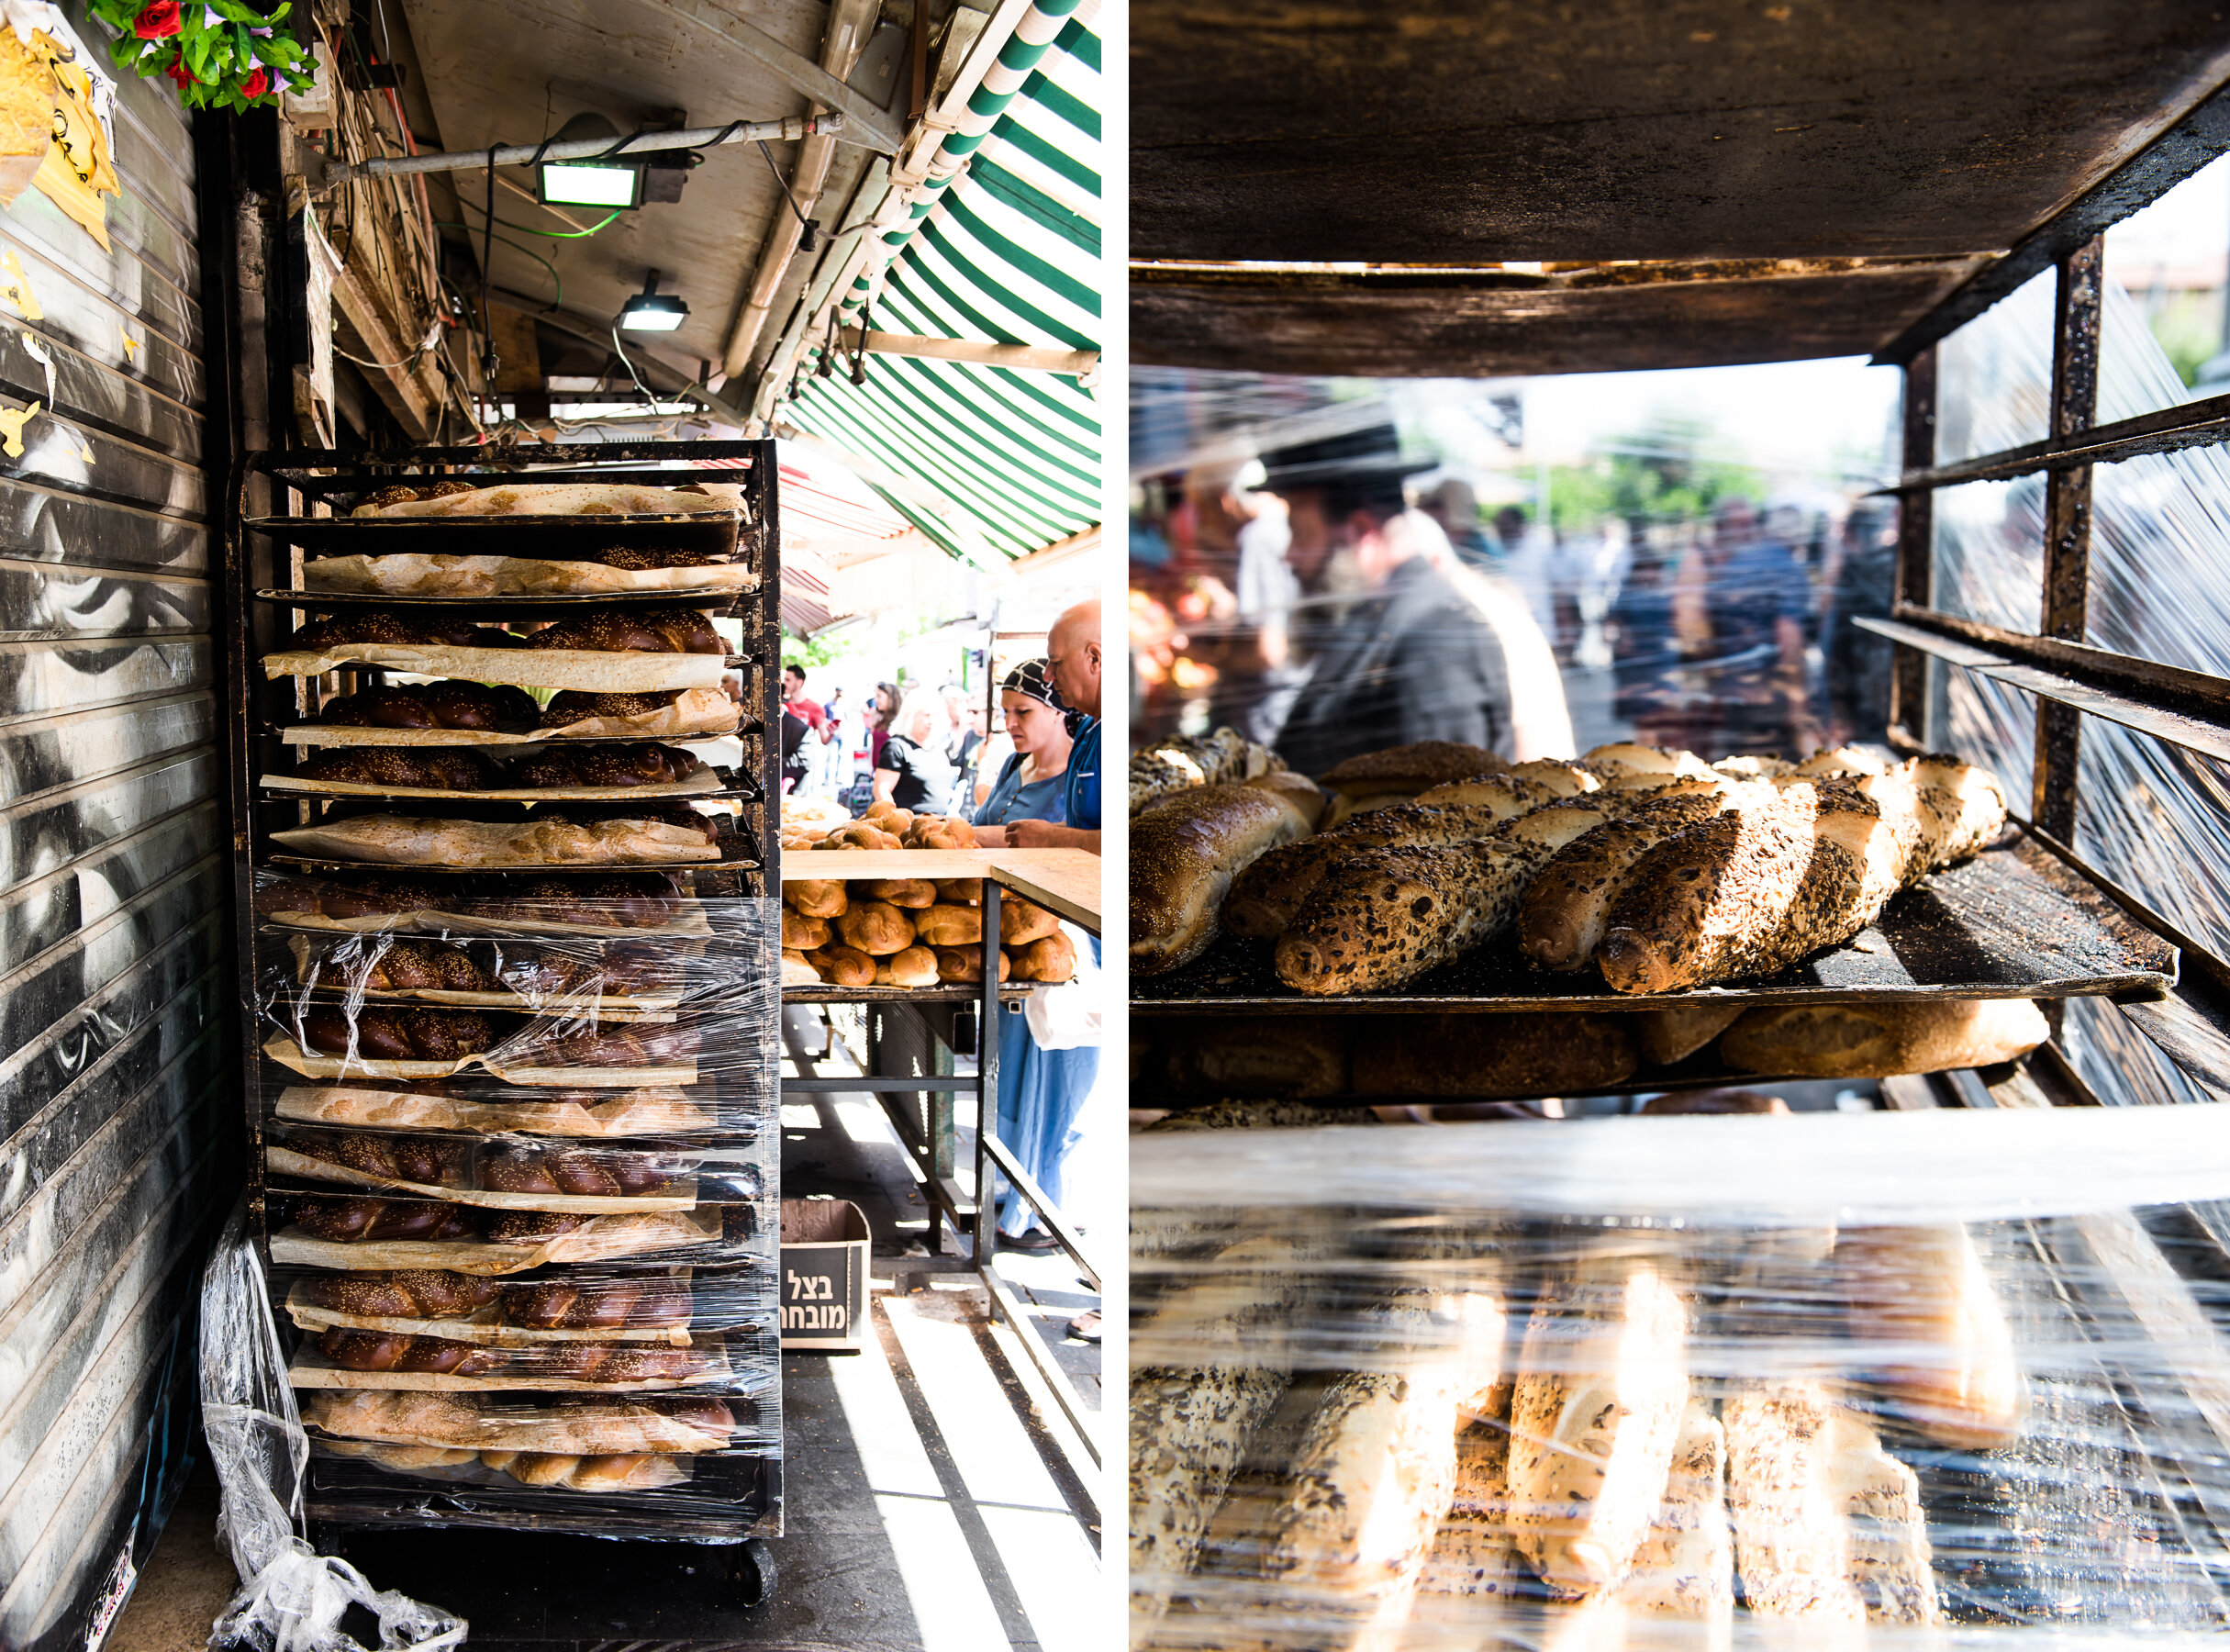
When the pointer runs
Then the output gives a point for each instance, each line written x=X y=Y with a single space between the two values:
x=833 y=525
x=1005 y=252
x=637 y=63
x=1431 y=187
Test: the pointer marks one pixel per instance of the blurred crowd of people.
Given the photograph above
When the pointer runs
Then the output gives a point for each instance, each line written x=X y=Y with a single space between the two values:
x=1324 y=603
x=917 y=746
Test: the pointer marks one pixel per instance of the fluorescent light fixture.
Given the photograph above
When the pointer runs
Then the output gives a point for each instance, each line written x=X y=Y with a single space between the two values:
x=571 y=186
x=651 y=311
x=580 y=184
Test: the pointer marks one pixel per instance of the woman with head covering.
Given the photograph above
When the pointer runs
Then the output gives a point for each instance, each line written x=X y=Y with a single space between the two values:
x=1040 y=1091
x=913 y=769
x=1032 y=783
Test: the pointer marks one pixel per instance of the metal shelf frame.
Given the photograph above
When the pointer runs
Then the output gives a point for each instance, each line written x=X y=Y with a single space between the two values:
x=2069 y=678
x=258 y=559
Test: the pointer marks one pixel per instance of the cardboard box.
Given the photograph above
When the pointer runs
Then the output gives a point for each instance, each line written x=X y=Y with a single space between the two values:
x=825 y=1274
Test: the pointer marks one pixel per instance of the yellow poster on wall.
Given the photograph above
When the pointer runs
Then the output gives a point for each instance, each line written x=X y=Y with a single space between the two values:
x=57 y=116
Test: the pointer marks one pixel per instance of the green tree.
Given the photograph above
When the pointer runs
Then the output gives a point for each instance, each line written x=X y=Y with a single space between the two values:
x=824 y=650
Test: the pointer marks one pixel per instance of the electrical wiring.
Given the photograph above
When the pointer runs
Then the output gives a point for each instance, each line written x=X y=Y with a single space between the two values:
x=553 y=234
x=506 y=240
x=382 y=367
x=648 y=394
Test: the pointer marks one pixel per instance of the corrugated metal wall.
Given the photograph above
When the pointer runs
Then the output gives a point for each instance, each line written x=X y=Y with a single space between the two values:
x=115 y=983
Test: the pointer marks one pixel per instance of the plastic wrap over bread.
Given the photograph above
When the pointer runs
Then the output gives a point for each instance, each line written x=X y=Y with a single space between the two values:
x=347 y=1358
x=1781 y=1379
x=330 y=1041
x=491 y=1108
x=665 y=1306
x=518 y=1173
x=363 y=1232
x=586 y=978
x=587 y=1426
x=622 y=903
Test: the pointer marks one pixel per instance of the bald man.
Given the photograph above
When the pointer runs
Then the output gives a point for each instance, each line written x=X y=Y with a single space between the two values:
x=1074 y=651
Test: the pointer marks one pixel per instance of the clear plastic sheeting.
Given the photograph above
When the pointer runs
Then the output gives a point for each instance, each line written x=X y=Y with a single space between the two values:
x=292 y=1599
x=519 y=1143
x=518 y=1172
x=1990 y=552
x=1992 y=725
x=2155 y=818
x=1884 y=1379
x=2123 y=1067
x=1993 y=383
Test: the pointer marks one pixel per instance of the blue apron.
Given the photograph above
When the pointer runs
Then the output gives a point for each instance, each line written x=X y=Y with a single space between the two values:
x=1040 y=1091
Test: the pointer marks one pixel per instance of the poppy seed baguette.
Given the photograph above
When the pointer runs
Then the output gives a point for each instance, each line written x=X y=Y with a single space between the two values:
x=1564 y=913
x=1264 y=898
x=1742 y=894
x=1388 y=915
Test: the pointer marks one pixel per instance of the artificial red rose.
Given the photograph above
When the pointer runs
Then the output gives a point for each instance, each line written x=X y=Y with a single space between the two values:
x=256 y=85
x=179 y=73
x=158 y=21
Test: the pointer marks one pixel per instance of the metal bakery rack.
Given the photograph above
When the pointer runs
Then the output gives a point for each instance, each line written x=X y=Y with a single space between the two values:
x=582 y=991
x=2108 y=1519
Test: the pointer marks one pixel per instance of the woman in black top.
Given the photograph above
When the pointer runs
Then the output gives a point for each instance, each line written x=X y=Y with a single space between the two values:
x=913 y=770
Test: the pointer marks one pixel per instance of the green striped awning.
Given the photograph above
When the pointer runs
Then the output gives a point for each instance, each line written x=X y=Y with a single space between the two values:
x=1006 y=251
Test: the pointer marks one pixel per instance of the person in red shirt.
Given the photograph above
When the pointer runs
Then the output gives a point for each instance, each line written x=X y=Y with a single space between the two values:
x=796 y=701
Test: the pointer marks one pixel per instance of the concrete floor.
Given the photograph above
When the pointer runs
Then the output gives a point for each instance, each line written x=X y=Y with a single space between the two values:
x=933 y=1501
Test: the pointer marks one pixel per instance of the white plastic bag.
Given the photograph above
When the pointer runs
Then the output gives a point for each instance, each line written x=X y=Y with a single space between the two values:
x=1067 y=1017
x=293 y=1598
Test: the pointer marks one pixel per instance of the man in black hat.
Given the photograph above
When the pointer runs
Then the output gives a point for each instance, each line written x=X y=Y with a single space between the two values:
x=1412 y=659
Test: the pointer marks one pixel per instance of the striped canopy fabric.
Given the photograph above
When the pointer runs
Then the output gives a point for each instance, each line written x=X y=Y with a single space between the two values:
x=1006 y=251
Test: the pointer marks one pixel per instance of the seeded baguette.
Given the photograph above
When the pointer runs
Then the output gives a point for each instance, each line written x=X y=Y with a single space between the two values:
x=1685 y=1567
x=1508 y=795
x=1565 y=911
x=1264 y=898
x=1742 y=894
x=1594 y=1420
x=1190 y=1423
x=1376 y=1470
x=1184 y=855
x=1474 y=1554
x=1387 y=915
x=1924 y=1292
x=1828 y=1526
x=1967 y=803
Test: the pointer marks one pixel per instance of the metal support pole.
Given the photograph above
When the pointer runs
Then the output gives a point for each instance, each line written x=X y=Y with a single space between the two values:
x=2066 y=551
x=587 y=149
x=987 y=1085
x=1915 y=549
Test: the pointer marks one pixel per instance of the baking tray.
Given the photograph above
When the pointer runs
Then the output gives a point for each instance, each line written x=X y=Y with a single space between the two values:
x=554 y=538
x=726 y=602
x=708 y=785
x=2013 y=922
x=511 y=742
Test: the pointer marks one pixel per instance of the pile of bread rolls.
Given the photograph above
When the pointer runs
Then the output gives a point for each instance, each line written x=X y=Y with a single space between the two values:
x=884 y=826
x=913 y=931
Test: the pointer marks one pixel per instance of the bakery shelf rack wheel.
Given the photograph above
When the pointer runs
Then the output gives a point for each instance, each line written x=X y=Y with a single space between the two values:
x=507 y=899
